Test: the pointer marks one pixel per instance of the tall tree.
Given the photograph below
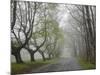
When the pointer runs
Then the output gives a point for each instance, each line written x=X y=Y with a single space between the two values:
x=23 y=27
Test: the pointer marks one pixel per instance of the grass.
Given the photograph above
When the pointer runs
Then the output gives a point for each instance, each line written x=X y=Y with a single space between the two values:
x=29 y=66
x=86 y=65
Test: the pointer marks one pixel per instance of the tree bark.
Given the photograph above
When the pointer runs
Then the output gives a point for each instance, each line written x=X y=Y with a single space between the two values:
x=32 y=57
x=18 y=57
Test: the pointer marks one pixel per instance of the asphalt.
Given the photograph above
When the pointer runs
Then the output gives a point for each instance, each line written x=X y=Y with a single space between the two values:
x=63 y=64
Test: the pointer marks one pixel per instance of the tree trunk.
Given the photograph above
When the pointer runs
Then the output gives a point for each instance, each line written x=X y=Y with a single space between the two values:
x=49 y=56
x=31 y=52
x=43 y=56
x=32 y=57
x=18 y=57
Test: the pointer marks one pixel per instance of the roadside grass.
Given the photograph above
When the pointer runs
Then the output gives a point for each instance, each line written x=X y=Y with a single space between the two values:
x=27 y=67
x=86 y=65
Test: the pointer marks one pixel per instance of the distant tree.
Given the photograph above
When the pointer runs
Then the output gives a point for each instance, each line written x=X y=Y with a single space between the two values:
x=83 y=22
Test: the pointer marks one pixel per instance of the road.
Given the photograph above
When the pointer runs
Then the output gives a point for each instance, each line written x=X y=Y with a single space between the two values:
x=64 y=64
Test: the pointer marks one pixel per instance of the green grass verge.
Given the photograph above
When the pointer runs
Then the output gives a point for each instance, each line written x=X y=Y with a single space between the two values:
x=86 y=65
x=29 y=66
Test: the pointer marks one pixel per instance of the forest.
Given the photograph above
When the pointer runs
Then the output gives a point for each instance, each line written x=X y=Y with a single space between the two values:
x=53 y=30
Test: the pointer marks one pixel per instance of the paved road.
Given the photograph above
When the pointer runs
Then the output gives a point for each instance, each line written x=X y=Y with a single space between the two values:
x=64 y=64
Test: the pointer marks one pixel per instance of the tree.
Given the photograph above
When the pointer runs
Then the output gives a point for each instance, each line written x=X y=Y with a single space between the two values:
x=83 y=21
x=23 y=27
x=46 y=27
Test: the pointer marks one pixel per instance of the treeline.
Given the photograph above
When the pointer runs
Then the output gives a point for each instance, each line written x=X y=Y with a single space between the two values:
x=83 y=21
x=34 y=28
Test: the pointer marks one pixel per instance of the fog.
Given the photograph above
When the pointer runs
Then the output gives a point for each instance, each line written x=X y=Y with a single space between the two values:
x=69 y=20
x=65 y=52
